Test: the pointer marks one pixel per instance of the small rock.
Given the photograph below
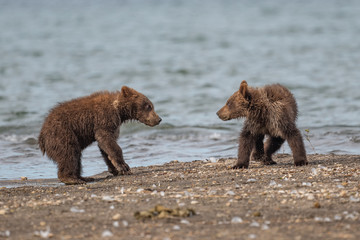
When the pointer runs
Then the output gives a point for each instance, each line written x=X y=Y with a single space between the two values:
x=6 y=233
x=236 y=220
x=230 y=193
x=257 y=214
x=310 y=196
x=3 y=211
x=354 y=199
x=116 y=216
x=272 y=183
x=251 y=180
x=116 y=224
x=106 y=233
x=23 y=178
x=76 y=210
x=264 y=227
x=125 y=223
x=317 y=205
x=184 y=221
x=254 y=224
x=44 y=234
x=108 y=198
x=176 y=227
x=308 y=184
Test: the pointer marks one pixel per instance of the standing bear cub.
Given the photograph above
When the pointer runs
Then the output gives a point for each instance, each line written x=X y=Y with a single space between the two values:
x=73 y=125
x=270 y=110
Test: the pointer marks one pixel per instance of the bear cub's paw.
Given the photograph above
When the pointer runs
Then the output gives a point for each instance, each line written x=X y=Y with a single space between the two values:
x=301 y=163
x=240 y=166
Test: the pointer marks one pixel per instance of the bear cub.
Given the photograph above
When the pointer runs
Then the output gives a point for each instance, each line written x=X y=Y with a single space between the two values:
x=271 y=111
x=73 y=125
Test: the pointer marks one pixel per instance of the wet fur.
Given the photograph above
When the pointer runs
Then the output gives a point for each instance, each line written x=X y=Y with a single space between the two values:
x=73 y=125
x=268 y=111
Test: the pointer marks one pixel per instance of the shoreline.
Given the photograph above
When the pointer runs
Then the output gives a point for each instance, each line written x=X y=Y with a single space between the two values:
x=320 y=200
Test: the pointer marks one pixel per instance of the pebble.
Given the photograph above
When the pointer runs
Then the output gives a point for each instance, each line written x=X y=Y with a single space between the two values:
x=116 y=216
x=272 y=183
x=176 y=227
x=108 y=198
x=106 y=233
x=310 y=196
x=76 y=210
x=125 y=223
x=184 y=221
x=230 y=193
x=236 y=220
x=6 y=233
x=251 y=180
x=264 y=227
x=254 y=224
x=116 y=224
x=252 y=236
x=322 y=219
x=354 y=199
x=3 y=211
x=317 y=205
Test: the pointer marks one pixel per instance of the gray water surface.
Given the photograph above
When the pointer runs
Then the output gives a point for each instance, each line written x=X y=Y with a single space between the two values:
x=188 y=57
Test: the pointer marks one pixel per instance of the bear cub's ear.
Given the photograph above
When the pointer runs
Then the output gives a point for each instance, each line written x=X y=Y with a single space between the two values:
x=244 y=91
x=126 y=91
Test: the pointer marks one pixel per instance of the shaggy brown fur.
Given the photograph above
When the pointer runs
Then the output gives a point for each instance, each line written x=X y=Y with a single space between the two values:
x=271 y=111
x=72 y=126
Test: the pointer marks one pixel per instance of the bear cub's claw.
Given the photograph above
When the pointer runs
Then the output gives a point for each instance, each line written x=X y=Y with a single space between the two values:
x=301 y=163
x=269 y=162
x=72 y=181
x=239 y=166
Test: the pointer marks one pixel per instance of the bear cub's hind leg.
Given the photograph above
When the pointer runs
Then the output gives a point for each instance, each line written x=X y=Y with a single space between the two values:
x=69 y=170
x=297 y=147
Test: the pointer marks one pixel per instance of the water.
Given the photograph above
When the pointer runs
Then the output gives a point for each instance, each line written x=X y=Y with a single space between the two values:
x=188 y=57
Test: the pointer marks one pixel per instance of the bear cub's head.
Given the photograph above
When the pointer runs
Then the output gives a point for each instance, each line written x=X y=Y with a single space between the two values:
x=140 y=107
x=237 y=105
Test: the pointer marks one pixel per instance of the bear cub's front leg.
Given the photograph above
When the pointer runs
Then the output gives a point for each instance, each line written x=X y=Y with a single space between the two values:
x=112 y=153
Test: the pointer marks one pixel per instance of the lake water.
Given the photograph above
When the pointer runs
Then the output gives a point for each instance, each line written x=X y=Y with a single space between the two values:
x=188 y=57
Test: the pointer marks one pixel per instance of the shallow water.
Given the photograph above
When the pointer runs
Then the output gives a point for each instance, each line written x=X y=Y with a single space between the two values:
x=188 y=57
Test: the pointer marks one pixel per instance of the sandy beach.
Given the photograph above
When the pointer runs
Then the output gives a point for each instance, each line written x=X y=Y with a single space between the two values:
x=194 y=200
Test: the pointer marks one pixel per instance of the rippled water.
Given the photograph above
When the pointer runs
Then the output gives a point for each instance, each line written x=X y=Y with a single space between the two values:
x=188 y=57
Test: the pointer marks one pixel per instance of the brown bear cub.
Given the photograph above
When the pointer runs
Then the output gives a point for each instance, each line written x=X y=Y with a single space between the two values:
x=271 y=111
x=73 y=125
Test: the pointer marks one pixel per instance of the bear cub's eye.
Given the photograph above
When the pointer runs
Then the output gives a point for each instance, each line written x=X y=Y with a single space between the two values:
x=148 y=107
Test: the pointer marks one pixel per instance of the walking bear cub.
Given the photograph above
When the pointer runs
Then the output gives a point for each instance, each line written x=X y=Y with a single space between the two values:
x=270 y=110
x=73 y=125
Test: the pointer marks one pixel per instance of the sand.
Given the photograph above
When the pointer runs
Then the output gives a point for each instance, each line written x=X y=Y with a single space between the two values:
x=318 y=201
